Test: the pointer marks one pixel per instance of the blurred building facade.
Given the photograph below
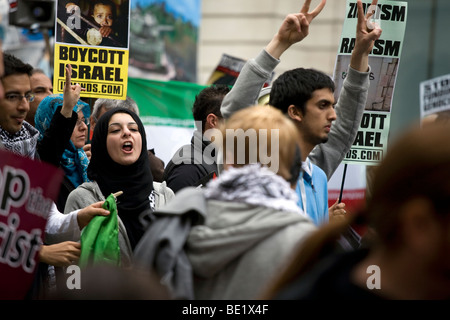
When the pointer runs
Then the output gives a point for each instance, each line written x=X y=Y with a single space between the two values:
x=243 y=28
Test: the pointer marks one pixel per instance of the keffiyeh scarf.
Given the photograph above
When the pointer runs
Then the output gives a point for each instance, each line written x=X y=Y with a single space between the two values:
x=23 y=142
x=255 y=185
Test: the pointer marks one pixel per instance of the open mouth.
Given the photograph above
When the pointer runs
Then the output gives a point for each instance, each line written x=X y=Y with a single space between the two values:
x=127 y=146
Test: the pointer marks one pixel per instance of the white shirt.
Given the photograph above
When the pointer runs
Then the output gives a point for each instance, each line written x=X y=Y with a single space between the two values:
x=61 y=227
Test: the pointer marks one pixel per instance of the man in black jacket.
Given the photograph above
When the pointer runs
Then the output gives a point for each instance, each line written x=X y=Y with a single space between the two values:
x=195 y=164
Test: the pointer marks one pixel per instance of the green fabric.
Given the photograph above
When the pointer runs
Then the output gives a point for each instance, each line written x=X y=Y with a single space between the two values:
x=164 y=102
x=100 y=238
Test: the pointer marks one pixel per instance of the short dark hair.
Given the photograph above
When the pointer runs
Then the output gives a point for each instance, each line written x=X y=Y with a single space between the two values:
x=295 y=87
x=37 y=71
x=209 y=101
x=14 y=65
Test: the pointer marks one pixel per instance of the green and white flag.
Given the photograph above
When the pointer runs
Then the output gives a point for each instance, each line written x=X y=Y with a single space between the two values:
x=166 y=111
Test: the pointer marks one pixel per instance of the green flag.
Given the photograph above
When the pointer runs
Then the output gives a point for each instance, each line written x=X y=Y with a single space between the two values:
x=100 y=238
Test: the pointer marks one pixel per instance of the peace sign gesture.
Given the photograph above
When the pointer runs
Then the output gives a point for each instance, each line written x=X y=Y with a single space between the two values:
x=367 y=31
x=366 y=34
x=295 y=28
x=311 y=15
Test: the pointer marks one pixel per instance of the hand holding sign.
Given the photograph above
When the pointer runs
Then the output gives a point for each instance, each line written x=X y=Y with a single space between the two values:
x=337 y=211
x=295 y=28
x=71 y=93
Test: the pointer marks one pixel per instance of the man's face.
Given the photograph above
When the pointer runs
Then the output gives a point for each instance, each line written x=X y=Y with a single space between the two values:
x=316 y=121
x=41 y=86
x=13 y=113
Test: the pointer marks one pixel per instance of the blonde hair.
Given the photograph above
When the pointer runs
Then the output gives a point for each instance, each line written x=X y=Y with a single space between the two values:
x=260 y=134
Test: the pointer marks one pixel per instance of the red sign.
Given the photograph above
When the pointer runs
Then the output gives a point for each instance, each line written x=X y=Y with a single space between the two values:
x=27 y=190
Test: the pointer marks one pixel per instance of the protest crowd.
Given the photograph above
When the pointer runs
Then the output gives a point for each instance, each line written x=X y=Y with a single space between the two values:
x=240 y=213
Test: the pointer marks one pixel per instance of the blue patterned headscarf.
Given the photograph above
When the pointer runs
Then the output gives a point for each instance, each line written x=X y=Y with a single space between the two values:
x=74 y=161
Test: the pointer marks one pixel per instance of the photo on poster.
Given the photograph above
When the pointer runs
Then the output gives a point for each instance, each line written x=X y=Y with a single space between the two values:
x=383 y=72
x=92 y=36
x=164 y=39
x=95 y=23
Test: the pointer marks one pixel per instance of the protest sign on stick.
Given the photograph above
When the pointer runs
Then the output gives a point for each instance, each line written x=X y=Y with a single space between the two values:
x=371 y=140
x=96 y=48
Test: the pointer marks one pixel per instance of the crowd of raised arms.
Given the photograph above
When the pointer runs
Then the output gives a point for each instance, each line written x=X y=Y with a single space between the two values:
x=229 y=218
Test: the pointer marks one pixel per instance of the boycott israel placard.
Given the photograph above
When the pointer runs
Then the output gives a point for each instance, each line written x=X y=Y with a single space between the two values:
x=27 y=190
x=93 y=38
x=371 y=141
x=434 y=95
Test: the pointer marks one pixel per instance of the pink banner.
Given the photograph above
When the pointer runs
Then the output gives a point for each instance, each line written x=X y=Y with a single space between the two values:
x=27 y=190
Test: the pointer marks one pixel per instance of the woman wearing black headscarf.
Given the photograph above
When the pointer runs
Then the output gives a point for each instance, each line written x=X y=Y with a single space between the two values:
x=120 y=162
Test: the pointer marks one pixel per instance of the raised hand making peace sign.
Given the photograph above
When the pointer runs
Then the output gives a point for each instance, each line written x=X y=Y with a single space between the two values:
x=294 y=28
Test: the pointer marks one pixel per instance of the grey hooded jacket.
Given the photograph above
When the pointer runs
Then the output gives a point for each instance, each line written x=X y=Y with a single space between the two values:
x=240 y=247
x=349 y=108
x=162 y=247
x=209 y=249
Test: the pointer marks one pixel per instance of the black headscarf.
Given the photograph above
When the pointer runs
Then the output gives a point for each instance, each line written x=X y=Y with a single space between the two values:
x=135 y=180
